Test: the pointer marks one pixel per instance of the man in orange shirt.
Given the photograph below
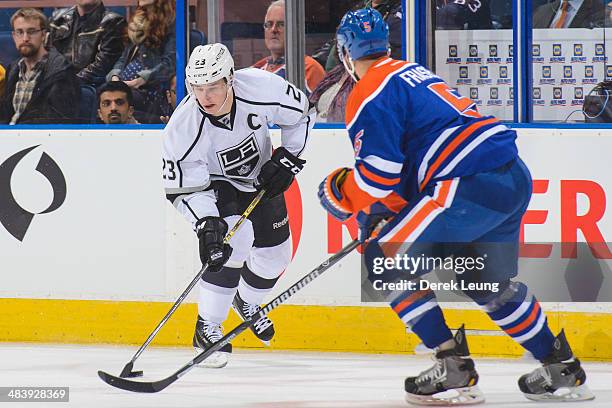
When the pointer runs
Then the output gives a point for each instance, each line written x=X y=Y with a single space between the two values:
x=274 y=35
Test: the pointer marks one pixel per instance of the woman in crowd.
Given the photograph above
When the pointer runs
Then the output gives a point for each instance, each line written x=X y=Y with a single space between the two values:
x=148 y=61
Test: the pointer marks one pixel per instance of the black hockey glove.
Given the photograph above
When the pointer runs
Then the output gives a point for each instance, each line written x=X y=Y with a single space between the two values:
x=211 y=232
x=277 y=174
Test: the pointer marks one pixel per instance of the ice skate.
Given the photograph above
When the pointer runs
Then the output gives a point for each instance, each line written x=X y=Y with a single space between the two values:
x=207 y=333
x=561 y=378
x=451 y=381
x=263 y=328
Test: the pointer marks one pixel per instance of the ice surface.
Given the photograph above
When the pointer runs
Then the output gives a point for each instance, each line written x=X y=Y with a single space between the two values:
x=258 y=379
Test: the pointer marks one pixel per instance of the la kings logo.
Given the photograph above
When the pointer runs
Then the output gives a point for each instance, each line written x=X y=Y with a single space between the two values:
x=239 y=161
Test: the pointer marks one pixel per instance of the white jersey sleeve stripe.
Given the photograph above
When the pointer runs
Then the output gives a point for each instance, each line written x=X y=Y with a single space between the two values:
x=383 y=165
x=373 y=191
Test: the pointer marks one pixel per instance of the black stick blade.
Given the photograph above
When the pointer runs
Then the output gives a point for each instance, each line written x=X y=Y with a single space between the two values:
x=133 y=386
x=128 y=371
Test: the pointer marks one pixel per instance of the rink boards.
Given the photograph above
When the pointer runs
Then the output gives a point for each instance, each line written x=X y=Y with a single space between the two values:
x=93 y=253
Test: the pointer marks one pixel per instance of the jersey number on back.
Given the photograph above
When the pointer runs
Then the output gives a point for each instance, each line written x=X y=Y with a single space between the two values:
x=465 y=106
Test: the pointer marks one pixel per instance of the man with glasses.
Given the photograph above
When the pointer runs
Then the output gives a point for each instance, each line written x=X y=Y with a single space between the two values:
x=274 y=37
x=41 y=87
x=89 y=36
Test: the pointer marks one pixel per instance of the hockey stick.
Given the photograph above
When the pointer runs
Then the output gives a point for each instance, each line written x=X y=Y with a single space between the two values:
x=127 y=370
x=156 y=386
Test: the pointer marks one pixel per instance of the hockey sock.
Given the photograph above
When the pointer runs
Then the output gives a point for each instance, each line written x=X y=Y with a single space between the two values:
x=217 y=291
x=253 y=288
x=419 y=310
x=518 y=313
x=262 y=270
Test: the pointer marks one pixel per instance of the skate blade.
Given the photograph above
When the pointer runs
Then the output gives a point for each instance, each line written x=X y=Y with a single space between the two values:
x=567 y=394
x=218 y=359
x=457 y=396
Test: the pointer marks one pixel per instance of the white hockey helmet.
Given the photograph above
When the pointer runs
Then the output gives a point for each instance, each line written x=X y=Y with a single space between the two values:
x=209 y=63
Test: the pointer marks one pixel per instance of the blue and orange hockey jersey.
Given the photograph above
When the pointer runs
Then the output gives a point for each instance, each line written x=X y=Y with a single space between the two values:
x=409 y=129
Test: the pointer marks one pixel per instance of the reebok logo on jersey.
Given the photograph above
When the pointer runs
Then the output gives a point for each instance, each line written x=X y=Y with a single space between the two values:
x=279 y=224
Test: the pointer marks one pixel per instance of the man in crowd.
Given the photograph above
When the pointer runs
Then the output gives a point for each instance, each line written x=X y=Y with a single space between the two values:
x=274 y=36
x=116 y=104
x=90 y=37
x=569 y=14
x=41 y=86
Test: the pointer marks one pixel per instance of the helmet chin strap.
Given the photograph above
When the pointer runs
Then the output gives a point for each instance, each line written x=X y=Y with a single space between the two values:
x=227 y=92
x=349 y=66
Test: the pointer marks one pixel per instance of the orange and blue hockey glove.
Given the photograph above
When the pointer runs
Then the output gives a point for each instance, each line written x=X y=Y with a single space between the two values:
x=330 y=194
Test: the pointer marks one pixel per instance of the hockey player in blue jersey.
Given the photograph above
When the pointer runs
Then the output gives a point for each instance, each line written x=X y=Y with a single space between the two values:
x=439 y=172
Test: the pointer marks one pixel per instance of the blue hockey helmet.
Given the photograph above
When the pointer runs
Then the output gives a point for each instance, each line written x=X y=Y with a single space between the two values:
x=361 y=33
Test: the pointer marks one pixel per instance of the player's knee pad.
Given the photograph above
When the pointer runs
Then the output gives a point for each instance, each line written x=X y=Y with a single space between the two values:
x=270 y=262
x=241 y=242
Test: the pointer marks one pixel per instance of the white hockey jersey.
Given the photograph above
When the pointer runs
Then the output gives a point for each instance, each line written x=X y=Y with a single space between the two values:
x=198 y=149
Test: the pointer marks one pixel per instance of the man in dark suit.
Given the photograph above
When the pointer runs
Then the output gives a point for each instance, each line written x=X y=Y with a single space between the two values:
x=569 y=14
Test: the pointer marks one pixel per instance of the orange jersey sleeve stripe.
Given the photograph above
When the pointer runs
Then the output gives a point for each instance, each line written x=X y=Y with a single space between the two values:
x=376 y=178
x=452 y=146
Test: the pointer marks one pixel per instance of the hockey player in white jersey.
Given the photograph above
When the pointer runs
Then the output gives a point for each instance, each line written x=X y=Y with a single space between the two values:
x=217 y=153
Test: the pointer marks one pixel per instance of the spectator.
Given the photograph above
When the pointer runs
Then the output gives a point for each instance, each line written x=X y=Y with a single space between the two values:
x=570 y=14
x=90 y=37
x=148 y=62
x=392 y=13
x=463 y=15
x=41 y=87
x=330 y=96
x=171 y=99
x=274 y=36
x=116 y=104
